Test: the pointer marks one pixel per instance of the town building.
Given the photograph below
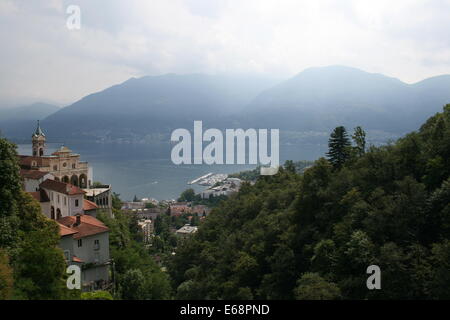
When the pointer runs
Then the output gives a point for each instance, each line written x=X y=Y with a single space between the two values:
x=31 y=179
x=85 y=242
x=186 y=231
x=179 y=208
x=101 y=195
x=65 y=199
x=56 y=182
x=227 y=187
x=63 y=164
x=147 y=229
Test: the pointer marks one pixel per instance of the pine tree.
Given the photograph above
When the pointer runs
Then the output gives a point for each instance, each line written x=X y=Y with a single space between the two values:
x=338 y=147
x=359 y=137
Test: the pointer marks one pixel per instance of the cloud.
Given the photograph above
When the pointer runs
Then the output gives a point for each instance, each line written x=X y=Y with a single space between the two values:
x=42 y=60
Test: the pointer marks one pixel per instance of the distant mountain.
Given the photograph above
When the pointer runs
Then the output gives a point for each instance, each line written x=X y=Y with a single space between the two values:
x=316 y=100
x=19 y=122
x=35 y=111
x=155 y=104
x=320 y=99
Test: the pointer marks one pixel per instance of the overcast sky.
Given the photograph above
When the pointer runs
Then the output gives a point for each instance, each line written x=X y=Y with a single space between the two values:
x=42 y=60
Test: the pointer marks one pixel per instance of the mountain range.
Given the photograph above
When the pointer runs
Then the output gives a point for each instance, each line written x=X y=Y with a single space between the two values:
x=315 y=100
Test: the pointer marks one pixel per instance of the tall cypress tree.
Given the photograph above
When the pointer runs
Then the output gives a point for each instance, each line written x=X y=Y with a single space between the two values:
x=359 y=137
x=338 y=147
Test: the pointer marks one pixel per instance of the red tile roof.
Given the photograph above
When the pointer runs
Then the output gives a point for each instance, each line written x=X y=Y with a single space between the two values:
x=76 y=259
x=89 y=226
x=40 y=196
x=32 y=174
x=61 y=187
x=89 y=205
x=26 y=161
x=65 y=231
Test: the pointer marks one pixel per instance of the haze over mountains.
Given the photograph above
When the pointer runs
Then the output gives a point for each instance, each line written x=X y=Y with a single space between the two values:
x=13 y=121
x=317 y=99
x=33 y=111
x=323 y=98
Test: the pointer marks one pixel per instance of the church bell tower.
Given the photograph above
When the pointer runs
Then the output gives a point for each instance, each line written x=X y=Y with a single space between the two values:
x=38 y=139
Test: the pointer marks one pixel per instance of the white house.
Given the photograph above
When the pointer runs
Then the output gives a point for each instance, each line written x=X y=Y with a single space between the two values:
x=85 y=242
x=31 y=179
x=65 y=199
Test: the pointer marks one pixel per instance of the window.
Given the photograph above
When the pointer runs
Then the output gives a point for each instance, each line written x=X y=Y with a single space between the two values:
x=97 y=244
x=64 y=164
x=58 y=198
x=73 y=166
x=67 y=255
x=65 y=201
x=80 y=243
x=55 y=168
x=51 y=194
x=76 y=203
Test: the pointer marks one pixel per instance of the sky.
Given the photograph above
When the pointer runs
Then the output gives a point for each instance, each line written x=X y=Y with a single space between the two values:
x=41 y=59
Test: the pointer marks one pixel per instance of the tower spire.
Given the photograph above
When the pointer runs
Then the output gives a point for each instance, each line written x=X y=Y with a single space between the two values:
x=38 y=140
x=39 y=131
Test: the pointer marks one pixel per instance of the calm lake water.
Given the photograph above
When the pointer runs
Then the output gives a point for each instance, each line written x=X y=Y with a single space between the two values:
x=147 y=171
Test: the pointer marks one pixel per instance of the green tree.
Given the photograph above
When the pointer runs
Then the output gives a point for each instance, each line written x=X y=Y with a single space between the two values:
x=96 y=295
x=6 y=276
x=27 y=237
x=313 y=287
x=359 y=137
x=132 y=285
x=338 y=147
x=290 y=166
x=187 y=195
x=116 y=202
x=10 y=192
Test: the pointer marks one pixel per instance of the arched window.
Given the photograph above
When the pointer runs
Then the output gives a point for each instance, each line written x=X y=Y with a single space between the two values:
x=74 y=180
x=52 y=213
x=83 y=181
x=58 y=213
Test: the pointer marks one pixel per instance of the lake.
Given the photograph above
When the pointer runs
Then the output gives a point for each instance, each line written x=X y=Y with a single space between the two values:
x=147 y=171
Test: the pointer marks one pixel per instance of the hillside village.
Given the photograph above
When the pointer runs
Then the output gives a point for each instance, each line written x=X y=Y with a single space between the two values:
x=64 y=187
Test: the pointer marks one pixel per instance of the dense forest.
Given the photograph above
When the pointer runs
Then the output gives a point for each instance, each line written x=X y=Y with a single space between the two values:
x=309 y=232
x=313 y=235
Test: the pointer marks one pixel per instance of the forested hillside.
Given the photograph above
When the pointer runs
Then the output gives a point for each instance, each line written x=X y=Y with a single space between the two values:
x=31 y=265
x=313 y=235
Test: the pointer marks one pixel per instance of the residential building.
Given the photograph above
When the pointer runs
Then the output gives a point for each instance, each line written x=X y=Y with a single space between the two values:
x=186 y=231
x=85 y=242
x=65 y=199
x=31 y=179
x=147 y=229
x=179 y=208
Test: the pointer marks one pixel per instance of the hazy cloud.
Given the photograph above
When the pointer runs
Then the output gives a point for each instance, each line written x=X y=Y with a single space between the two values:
x=42 y=60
